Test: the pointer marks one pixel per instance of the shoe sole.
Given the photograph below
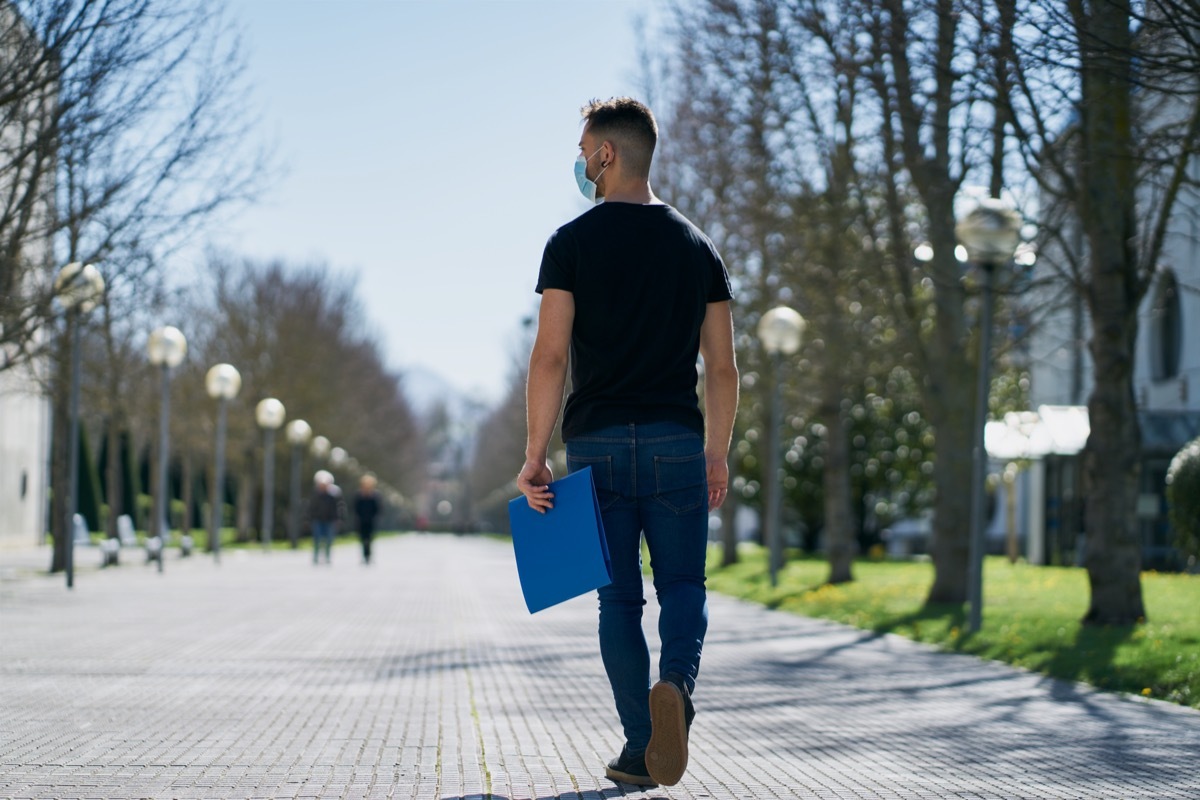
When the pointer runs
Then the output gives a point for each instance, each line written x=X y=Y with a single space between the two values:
x=625 y=777
x=667 y=753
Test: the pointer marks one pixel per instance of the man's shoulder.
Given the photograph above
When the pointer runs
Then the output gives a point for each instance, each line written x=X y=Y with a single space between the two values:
x=587 y=218
x=679 y=218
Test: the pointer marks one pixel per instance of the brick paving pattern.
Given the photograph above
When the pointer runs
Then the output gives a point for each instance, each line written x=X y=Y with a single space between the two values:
x=422 y=677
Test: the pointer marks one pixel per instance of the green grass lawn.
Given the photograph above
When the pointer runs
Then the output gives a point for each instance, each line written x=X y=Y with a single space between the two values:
x=1030 y=617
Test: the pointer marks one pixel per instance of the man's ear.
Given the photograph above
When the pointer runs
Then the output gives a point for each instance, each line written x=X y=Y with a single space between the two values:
x=607 y=153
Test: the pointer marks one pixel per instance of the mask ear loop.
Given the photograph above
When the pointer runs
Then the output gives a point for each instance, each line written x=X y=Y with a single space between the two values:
x=603 y=167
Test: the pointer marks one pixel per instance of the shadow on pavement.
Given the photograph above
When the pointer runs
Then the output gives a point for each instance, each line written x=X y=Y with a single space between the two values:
x=588 y=795
x=1086 y=658
x=826 y=691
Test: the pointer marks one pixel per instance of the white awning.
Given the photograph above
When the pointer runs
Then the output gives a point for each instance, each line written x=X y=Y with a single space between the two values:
x=1051 y=430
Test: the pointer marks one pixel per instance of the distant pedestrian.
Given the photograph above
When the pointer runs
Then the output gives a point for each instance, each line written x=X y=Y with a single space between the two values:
x=631 y=293
x=366 y=508
x=326 y=510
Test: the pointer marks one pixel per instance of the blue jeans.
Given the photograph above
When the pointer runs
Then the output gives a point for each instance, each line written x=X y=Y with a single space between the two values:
x=322 y=539
x=650 y=479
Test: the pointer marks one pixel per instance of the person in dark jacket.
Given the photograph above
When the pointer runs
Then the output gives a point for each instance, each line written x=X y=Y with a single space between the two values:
x=326 y=509
x=366 y=508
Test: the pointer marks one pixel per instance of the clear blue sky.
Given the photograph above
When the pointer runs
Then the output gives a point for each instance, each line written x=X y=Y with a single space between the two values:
x=429 y=148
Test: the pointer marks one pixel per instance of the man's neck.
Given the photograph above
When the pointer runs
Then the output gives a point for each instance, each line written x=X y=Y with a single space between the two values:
x=638 y=193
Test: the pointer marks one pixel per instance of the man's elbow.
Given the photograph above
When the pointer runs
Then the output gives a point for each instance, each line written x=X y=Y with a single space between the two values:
x=722 y=375
x=547 y=362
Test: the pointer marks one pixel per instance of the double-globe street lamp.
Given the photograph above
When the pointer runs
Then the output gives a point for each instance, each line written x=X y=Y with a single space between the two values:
x=990 y=233
x=78 y=288
x=780 y=331
x=166 y=348
x=299 y=433
x=339 y=460
x=223 y=382
x=338 y=457
x=270 y=415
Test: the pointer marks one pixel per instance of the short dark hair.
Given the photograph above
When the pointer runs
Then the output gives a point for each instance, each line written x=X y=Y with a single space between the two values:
x=630 y=124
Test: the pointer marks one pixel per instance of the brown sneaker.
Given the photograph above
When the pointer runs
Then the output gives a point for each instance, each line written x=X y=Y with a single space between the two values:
x=667 y=753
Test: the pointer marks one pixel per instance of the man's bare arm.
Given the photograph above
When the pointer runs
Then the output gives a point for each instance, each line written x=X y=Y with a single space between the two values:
x=720 y=396
x=543 y=393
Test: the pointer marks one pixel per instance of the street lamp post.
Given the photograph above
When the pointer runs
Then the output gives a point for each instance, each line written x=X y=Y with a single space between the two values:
x=223 y=382
x=780 y=331
x=270 y=415
x=990 y=233
x=166 y=349
x=298 y=434
x=78 y=288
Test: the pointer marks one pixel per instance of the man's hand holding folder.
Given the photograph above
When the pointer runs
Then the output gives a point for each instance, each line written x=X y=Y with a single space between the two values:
x=561 y=552
x=534 y=482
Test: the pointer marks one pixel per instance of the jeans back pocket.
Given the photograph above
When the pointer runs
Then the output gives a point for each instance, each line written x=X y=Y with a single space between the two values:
x=602 y=476
x=681 y=482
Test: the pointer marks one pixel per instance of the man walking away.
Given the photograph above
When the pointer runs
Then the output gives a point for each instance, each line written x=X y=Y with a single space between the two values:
x=631 y=293
x=366 y=508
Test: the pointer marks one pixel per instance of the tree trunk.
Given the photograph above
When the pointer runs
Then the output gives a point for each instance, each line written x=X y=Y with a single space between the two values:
x=950 y=394
x=950 y=547
x=1112 y=554
x=928 y=153
x=840 y=544
x=1108 y=215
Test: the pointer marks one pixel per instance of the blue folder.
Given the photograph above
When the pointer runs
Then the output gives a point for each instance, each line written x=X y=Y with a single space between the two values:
x=560 y=554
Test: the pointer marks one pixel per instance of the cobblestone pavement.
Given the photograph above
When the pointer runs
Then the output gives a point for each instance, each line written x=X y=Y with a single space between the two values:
x=423 y=677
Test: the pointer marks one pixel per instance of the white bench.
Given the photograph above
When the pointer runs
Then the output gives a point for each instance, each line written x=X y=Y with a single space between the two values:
x=110 y=552
x=154 y=549
x=125 y=532
x=80 y=529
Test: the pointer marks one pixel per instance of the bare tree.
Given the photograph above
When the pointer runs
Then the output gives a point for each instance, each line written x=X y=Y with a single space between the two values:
x=1107 y=115
x=27 y=122
x=830 y=82
x=727 y=161
x=124 y=124
x=1097 y=100
x=300 y=334
x=773 y=141
x=924 y=77
x=127 y=123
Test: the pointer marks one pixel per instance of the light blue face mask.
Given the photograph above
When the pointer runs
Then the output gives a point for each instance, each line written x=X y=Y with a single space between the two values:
x=587 y=187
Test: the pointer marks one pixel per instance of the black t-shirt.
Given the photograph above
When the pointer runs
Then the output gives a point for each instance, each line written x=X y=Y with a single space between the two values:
x=641 y=276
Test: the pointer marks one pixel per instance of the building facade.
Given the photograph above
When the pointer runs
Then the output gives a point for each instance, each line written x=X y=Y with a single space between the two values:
x=24 y=458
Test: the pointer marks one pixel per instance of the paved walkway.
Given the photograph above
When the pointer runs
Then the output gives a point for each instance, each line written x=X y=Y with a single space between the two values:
x=423 y=677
